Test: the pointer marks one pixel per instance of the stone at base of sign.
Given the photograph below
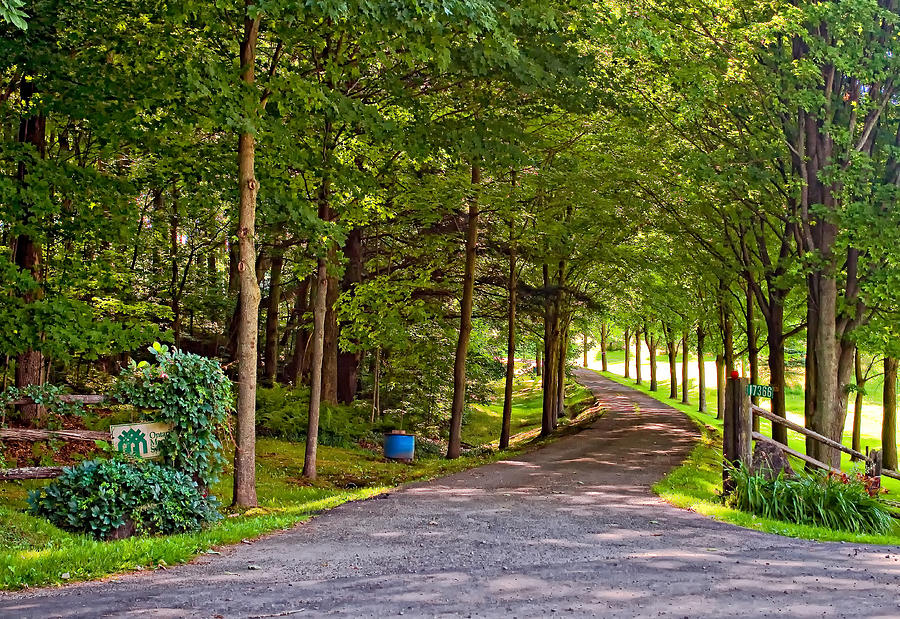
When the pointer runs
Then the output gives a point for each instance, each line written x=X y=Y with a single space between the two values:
x=123 y=531
x=139 y=439
x=769 y=461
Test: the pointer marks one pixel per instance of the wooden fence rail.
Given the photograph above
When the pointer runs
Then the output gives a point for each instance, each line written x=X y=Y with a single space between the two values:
x=28 y=434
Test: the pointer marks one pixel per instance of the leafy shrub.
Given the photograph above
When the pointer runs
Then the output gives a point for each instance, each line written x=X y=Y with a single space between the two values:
x=835 y=502
x=194 y=395
x=284 y=412
x=97 y=496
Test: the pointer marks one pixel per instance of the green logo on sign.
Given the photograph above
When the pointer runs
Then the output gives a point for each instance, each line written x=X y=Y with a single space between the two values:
x=133 y=442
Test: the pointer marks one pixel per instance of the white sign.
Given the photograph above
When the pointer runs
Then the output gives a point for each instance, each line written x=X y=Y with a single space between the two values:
x=139 y=439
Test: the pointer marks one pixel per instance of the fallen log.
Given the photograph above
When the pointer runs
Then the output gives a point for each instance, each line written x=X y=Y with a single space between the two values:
x=31 y=472
x=29 y=434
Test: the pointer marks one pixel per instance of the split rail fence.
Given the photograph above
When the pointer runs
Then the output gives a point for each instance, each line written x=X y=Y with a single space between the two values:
x=739 y=436
x=28 y=434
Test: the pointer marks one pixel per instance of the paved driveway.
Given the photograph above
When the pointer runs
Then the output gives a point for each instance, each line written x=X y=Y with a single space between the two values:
x=569 y=530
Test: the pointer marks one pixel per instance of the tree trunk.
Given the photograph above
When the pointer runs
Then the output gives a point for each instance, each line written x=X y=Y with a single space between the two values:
x=348 y=362
x=651 y=347
x=889 y=421
x=728 y=339
x=855 y=441
x=585 y=338
x=538 y=368
x=560 y=408
x=752 y=351
x=510 y=345
x=775 y=340
x=465 y=324
x=27 y=255
x=548 y=382
x=376 y=388
x=330 y=346
x=684 y=368
x=627 y=352
x=315 y=383
x=173 y=259
x=720 y=386
x=248 y=322
x=637 y=356
x=672 y=352
x=603 y=336
x=297 y=366
x=701 y=371
x=271 y=351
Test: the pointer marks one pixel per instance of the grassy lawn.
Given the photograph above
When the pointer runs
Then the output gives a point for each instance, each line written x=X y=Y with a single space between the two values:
x=697 y=483
x=35 y=553
x=483 y=423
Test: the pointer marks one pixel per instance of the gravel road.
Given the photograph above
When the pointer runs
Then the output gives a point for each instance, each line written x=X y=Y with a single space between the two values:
x=569 y=530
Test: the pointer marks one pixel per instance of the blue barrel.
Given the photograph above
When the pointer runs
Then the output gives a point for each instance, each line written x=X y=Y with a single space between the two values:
x=399 y=446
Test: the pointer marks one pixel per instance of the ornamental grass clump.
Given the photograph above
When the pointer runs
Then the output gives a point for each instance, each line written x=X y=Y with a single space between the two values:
x=838 y=502
x=101 y=497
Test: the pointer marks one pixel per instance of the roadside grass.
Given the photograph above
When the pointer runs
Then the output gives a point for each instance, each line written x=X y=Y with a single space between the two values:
x=794 y=396
x=35 y=553
x=697 y=483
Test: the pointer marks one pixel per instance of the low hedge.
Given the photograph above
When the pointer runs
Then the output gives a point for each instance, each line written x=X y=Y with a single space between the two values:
x=97 y=497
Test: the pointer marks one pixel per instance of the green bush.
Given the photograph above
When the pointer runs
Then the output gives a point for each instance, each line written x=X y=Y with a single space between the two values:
x=97 y=496
x=283 y=412
x=194 y=395
x=831 y=501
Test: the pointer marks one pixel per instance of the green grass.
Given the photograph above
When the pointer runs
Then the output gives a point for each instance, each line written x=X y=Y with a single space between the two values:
x=697 y=483
x=35 y=553
x=483 y=423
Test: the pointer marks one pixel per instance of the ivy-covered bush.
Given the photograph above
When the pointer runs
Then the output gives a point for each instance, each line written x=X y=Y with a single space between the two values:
x=98 y=496
x=194 y=395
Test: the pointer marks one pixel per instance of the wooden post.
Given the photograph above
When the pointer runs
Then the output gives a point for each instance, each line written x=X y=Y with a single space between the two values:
x=875 y=467
x=738 y=427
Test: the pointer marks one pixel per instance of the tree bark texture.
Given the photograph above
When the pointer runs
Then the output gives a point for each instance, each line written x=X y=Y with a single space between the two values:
x=510 y=346
x=465 y=323
x=348 y=362
x=889 y=421
x=684 y=369
x=720 y=386
x=271 y=351
x=701 y=371
x=27 y=254
x=672 y=353
x=248 y=321
x=650 y=340
x=603 y=335
x=627 y=338
x=637 y=356
x=315 y=386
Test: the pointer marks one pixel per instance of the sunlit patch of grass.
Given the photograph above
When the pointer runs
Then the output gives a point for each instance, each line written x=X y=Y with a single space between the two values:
x=483 y=422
